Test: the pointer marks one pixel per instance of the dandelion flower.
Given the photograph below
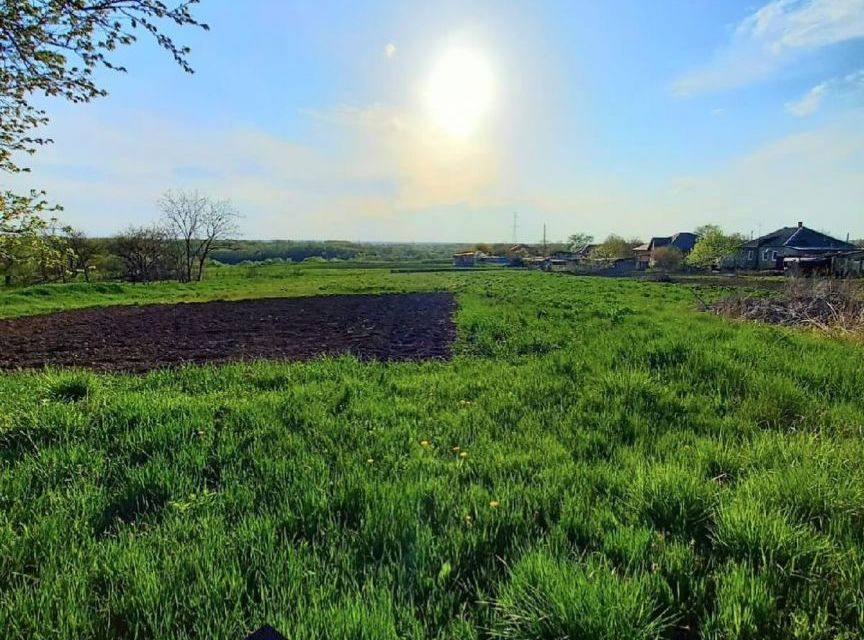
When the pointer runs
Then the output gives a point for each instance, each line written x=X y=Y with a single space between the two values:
x=424 y=443
x=494 y=504
x=370 y=460
x=455 y=449
x=463 y=454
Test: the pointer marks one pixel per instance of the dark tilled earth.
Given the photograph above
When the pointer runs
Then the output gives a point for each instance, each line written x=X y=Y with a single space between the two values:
x=140 y=338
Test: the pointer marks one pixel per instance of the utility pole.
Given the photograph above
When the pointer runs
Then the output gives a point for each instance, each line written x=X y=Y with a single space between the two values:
x=544 y=240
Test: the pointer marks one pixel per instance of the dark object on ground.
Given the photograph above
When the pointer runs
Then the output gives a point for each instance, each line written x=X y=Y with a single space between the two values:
x=140 y=338
x=826 y=304
x=266 y=633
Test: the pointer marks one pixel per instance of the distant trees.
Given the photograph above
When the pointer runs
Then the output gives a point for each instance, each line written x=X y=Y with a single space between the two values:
x=145 y=253
x=82 y=252
x=579 y=241
x=179 y=245
x=613 y=247
x=713 y=245
x=195 y=222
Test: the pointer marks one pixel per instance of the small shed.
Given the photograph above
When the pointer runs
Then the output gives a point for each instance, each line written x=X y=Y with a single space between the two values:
x=464 y=259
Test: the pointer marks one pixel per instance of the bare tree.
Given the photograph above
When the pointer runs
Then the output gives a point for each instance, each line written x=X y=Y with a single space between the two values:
x=196 y=223
x=220 y=223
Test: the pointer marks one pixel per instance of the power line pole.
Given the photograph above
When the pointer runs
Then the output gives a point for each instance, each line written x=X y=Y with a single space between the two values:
x=515 y=225
x=544 y=240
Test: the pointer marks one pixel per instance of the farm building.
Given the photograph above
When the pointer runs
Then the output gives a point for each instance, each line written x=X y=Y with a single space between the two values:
x=683 y=241
x=584 y=252
x=771 y=250
x=501 y=260
x=464 y=259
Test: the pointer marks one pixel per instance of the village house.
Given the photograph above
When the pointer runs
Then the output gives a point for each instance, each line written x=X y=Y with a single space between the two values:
x=788 y=245
x=683 y=241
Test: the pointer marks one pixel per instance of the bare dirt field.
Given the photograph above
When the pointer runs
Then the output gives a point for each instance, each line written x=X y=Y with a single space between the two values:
x=140 y=338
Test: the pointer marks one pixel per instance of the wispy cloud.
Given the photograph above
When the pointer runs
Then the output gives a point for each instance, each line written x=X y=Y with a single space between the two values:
x=384 y=166
x=770 y=37
x=810 y=103
x=851 y=84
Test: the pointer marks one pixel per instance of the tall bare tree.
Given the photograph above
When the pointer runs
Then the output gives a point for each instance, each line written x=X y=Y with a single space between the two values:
x=220 y=223
x=196 y=223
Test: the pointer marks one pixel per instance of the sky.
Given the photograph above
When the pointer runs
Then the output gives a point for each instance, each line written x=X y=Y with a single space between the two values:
x=437 y=121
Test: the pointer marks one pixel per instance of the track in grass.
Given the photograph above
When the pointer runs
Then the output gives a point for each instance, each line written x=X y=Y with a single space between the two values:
x=140 y=338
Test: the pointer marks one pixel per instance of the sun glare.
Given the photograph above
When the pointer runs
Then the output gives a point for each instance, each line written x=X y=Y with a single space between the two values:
x=459 y=91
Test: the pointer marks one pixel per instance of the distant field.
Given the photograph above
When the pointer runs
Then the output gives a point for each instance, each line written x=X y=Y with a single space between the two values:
x=598 y=460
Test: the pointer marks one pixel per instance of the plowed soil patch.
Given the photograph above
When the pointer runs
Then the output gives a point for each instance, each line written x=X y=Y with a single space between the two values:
x=140 y=338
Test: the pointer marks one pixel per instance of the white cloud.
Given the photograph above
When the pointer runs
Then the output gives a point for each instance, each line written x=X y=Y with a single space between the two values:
x=792 y=24
x=810 y=103
x=390 y=50
x=851 y=84
x=374 y=173
x=816 y=176
x=773 y=35
x=380 y=164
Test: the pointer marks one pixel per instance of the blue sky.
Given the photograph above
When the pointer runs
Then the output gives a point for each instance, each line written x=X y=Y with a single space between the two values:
x=418 y=121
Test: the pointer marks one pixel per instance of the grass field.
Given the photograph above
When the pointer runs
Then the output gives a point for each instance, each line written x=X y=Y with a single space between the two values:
x=599 y=460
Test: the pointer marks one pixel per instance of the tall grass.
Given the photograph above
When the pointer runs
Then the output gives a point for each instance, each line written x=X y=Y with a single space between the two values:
x=599 y=460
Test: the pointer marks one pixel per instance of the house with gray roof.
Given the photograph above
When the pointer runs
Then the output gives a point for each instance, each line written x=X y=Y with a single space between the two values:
x=683 y=241
x=770 y=250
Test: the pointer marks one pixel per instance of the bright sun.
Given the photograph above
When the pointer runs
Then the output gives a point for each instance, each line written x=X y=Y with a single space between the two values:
x=459 y=91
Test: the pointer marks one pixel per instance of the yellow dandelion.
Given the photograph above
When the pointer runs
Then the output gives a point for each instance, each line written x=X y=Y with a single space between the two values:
x=463 y=454
x=455 y=449
x=494 y=504
x=424 y=444
x=370 y=460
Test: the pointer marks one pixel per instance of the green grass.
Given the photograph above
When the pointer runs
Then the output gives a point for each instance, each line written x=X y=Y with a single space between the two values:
x=633 y=469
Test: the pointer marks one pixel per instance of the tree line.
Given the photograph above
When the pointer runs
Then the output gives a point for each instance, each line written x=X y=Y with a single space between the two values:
x=258 y=251
x=176 y=246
